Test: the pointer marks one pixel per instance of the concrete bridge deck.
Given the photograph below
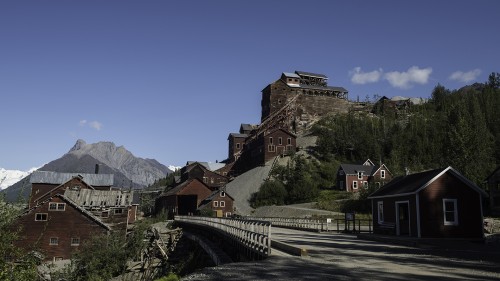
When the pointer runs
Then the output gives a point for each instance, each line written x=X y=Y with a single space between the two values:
x=345 y=257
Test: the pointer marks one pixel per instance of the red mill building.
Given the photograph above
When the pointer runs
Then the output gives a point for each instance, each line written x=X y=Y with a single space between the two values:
x=307 y=96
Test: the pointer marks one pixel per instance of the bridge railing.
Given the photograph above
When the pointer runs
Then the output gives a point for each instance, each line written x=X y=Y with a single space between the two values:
x=253 y=234
x=321 y=225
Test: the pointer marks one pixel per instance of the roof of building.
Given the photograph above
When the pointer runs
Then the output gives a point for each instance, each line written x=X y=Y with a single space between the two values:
x=289 y=74
x=74 y=205
x=207 y=201
x=248 y=127
x=176 y=189
x=414 y=183
x=208 y=165
x=303 y=73
x=60 y=178
x=352 y=169
x=237 y=135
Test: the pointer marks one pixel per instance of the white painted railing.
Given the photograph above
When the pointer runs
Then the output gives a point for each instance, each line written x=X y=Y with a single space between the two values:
x=253 y=234
x=320 y=225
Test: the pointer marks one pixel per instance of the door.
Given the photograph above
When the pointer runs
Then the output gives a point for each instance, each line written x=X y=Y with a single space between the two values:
x=403 y=218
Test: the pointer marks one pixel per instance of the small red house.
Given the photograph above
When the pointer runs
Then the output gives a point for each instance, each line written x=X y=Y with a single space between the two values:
x=353 y=177
x=433 y=204
x=56 y=227
x=184 y=198
x=220 y=203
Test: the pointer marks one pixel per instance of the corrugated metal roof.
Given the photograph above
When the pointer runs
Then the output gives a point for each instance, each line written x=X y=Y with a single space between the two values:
x=237 y=135
x=303 y=73
x=352 y=169
x=60 y=178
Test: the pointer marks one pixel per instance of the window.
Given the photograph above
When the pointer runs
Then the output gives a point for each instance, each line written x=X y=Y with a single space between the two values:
x=54 y=241
x=380 y=211
x=237 y=146
x=205 y=179
x=289 y=141
x=355 y=185
x=105 y=214
x=271 y=148
x=365 y=184
x=75 y=241
x=382 y=174
x=41 y=217
x=270 y=140
x=360 y=175
x=222 y=194
x=118 y=211
x=280 y=141
x=57 y=206
x=228 y=214
x=216 y=203
x=223 y=203
x=450 y=211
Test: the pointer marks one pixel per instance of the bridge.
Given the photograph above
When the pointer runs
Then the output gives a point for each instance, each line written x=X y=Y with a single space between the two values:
x=324 y=254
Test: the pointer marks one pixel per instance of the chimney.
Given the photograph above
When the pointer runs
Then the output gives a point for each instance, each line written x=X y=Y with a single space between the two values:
x=96 y=169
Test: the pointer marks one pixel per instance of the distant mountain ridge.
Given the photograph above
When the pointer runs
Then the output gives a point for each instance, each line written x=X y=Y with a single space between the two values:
x=10 y=177
x=129 y=171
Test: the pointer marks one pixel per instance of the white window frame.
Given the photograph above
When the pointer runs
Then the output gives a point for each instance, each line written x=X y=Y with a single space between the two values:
x=75 y=241
x=222 y=194
x=355 y=185
x=380 y=211
x=118 y=211
x=53 y=241
x=222 y=204
x=382 y=174
x=455 y=211
x=280 y=141
x=365 y=184
x=270 y=140
x=216 y=204
x=360 y=175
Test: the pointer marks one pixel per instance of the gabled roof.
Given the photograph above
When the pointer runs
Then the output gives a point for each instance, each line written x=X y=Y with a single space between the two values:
x=280 y=129
x=353 y=169
x=414 y=183
x=74 y=205
x=178 y=188
x=61 y=185
x=59 y=178
x=292 y=75
x=207 y=201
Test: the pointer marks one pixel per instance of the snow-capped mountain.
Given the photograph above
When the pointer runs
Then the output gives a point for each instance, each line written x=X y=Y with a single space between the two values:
x=173 y=168
x=10 y=177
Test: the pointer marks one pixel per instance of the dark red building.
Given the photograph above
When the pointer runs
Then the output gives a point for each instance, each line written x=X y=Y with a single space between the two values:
x=220 y=203
x=434 y=204
x=355 y=177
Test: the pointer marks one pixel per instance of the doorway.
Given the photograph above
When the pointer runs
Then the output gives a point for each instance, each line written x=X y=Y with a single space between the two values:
x=403 y=218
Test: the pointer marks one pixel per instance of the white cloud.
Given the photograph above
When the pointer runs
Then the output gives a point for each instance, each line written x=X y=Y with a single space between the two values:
x=465 y=76
x=359 y=77
x=405 y=80
x=94 y=124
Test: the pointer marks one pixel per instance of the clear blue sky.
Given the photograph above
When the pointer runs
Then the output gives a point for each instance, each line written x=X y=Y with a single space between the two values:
x=170 y=80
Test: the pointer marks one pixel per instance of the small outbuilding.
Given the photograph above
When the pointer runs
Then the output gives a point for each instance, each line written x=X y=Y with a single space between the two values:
x=439 y=203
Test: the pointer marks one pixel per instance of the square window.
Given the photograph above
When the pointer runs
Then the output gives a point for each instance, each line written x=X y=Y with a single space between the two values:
x=118 y=211
x=450 y=212
x=52 y=206
x=216 y=203
x=75 y=241
x=365 y=184
x=41 y=217
x=222 y=203
x=54 y=241
x=61 y=206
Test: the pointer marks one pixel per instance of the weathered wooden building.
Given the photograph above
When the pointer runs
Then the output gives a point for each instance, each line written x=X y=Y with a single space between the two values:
x=219 y=203
x=56 y=227
x=205 y=172
x=439 y=203
x=310 y=94
x=354 y=177
x=183 y=199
